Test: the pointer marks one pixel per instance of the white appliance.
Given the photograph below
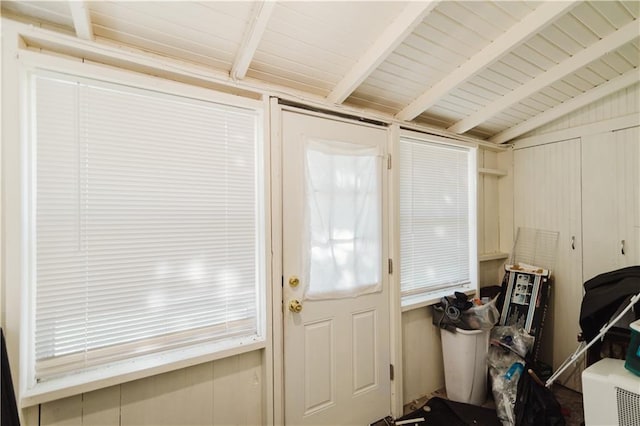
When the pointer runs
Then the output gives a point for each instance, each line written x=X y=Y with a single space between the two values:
x=611 y=394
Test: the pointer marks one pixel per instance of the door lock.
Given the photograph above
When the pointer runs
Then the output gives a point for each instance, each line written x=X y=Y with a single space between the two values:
x=295 y=306
x=294 y=281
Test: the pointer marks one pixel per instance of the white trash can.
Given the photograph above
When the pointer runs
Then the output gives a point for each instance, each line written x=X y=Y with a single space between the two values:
x=465 y=364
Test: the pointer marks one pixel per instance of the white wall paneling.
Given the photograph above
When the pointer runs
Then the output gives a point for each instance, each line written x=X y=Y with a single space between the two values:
x=491 y=255
x=421 y=354
x=223 y=392
x=547 y=197
x=610 y=201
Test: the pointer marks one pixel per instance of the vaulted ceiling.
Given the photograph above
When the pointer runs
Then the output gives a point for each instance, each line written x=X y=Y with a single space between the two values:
x=489 y=69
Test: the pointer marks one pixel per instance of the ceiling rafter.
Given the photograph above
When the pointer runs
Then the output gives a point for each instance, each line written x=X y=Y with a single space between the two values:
x=252 y=36
x=410 y=17
x=534 y=22
x=618 y=83
x=581 y=59
x=81 y=19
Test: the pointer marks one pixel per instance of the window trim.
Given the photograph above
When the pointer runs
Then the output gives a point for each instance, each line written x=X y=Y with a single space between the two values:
x=433 y=296
x=18 y=207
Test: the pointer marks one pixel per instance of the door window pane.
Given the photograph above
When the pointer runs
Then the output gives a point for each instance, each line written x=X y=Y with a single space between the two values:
x=343 y=216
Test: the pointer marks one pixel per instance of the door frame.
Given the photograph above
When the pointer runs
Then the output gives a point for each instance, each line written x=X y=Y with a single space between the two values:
x=274 y=359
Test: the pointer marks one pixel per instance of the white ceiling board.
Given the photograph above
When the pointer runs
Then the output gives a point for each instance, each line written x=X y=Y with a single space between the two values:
x=576 y=29
x=155 y=43
x=438 y=36
x=307 y=27
x=616 y=13
x=578 y=82
x=516 y=9
x=463 y=58
x=388 y=39
x=593 y=20
x=498 y=47
x=628 y=79
x=589 y=76
x=566 y=88
x=632 y=6
x=552 y=49
x=578 y=65
x=54 y=12
x=490 y=13
x=530 y=69
x=129 y=23
x=604 y=70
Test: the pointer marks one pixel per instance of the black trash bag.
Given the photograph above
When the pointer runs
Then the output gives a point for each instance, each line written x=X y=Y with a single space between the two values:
x=535 y=404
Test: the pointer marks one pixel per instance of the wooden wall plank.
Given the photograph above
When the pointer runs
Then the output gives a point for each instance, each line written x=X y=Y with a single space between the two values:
x=181 y=397
x=63 y=412
x=237 y=392
x=101 y=407
x=423 y=370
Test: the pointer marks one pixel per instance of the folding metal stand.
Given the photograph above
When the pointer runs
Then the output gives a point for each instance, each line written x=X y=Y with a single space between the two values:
x=582 y=348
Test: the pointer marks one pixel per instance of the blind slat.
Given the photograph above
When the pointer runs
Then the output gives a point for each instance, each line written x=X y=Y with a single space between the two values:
x=146 y=222
x=434 y=216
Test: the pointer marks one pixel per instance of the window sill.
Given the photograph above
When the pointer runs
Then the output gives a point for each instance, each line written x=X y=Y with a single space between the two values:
x=431 y=298
x=139 y=368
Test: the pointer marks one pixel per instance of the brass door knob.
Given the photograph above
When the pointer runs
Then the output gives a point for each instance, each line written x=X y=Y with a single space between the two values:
x=295 y=306
x=294 y=281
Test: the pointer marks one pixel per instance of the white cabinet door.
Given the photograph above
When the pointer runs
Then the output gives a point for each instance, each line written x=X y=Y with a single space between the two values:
x=611 y=201
x=547 y=197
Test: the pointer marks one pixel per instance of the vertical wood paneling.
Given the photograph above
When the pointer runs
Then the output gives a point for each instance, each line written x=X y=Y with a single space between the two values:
x=488 y=218
x=64 y=412
x=101 y=407
x=611 y=200
x=423 y=368
x=547 y=196
x=224 y=392
x=181 y=397
x=237 y=390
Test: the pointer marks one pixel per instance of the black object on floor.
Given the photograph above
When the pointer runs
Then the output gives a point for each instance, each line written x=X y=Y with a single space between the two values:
x=9 y=413
x=450 y=413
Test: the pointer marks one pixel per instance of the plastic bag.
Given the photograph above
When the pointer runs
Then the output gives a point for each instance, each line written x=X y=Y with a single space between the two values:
x=458 y=312
x=482 y=317
x=514 y=339
x=509 y=346
x=536 y=404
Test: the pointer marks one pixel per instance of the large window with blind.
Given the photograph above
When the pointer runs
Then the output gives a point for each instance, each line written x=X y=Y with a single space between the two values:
x=145 y=230
x=438 y=243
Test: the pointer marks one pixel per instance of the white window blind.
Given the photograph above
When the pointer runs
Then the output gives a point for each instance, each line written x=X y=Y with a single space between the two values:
x=146 y=219
x=436 y=218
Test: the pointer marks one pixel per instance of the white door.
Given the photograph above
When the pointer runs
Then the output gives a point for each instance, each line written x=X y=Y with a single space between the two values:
x=547 y=197
x=611 y=200
x=336 y=348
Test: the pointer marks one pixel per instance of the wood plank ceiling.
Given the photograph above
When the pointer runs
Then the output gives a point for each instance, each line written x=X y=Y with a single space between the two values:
x=490 y=69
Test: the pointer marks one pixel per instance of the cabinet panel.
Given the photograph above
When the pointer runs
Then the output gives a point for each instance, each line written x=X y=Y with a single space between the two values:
x=611 y=201
x=547 y=196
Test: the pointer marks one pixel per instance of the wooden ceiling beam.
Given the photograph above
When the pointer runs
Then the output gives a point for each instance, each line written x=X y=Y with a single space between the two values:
x=534 y=22
x=605 y=89
x=81 y=19
x=252 y=36
x=581 y=59
x=410 y=17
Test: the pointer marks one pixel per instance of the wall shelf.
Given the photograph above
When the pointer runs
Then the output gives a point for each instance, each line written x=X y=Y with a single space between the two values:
x=494 y=172
x=492 y=256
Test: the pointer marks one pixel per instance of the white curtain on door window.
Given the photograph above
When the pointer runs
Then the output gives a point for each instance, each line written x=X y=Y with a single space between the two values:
x=342 y=254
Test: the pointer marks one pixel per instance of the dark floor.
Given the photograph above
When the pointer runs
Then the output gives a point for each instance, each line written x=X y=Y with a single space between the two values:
x=570 y=401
